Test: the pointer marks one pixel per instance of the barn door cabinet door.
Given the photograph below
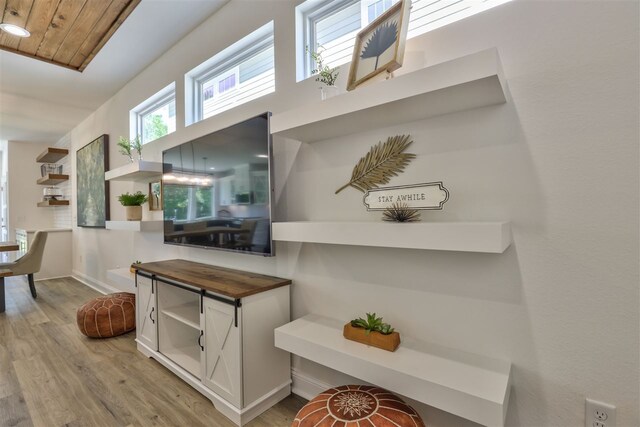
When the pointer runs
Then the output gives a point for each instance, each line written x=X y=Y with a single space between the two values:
x=222 y=350
x=147 y=313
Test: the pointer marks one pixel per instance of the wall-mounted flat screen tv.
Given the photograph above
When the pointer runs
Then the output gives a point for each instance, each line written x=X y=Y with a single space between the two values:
x=216 y=190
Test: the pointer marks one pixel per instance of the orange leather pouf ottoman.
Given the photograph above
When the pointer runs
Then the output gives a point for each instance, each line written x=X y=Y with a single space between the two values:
x=108 y=316
x=357 y=406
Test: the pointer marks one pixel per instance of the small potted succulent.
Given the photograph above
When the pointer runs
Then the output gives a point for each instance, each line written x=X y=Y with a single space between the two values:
x=132 y=269
x=326 y=75
x=372 y=331
x=133 y=204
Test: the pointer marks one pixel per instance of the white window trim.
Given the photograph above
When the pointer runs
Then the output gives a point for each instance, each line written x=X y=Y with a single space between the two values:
x=225 y=61
x=159 y=99
x=307 y=12
x=314 y=10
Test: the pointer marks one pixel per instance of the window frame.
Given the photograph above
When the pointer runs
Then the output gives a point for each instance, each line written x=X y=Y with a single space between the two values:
x=309 y=12
x=160 y=99
x=224 y=64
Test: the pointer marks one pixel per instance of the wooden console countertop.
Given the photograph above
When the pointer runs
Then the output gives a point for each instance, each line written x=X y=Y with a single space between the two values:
x=223 y=281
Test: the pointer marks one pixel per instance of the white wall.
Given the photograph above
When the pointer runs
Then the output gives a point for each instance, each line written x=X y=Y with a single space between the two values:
x=560 y=161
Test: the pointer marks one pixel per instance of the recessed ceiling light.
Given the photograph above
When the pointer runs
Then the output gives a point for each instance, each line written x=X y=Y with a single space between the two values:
x=262 y=156
x=15 y=30
x=212 y=168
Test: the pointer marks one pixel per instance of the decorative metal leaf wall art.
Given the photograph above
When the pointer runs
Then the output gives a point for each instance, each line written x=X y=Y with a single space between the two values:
x=381 y=163
x=382 y=39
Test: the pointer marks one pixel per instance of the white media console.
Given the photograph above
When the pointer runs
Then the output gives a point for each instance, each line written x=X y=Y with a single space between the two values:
x=213 y=327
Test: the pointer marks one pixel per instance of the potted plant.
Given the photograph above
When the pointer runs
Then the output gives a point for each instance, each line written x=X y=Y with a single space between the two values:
x=372 y=331
x=326 y=75
x=132 y=269
x=127 y=145
x=133 y=204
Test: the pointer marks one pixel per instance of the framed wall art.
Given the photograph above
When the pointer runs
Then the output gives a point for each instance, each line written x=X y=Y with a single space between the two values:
x=92 y=161
x=380 y=46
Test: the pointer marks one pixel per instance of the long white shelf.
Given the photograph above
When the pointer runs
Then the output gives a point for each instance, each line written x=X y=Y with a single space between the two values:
x=144 y=226
x=140 y=171
x=468 y=385
x=490 y=237
x=472 y=81
x=123 y=278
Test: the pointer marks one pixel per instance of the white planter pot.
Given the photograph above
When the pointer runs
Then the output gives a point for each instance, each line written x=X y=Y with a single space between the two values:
x=134 y=213
x=327 y=92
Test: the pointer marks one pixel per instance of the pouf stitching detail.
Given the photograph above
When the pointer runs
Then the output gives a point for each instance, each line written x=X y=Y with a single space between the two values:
x=380 y=406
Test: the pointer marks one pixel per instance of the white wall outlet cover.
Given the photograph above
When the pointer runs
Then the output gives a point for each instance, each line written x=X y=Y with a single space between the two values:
x=599 y=414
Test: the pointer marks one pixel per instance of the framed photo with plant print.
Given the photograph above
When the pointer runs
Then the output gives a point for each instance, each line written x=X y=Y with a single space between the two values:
x=380 y=46
x=155 y=196
x=92 y=192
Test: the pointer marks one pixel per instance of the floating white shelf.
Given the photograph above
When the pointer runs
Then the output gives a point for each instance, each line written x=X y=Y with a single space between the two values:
x=145 y=226
x=472 y=81
x=491 y=237
x=468 y=385
x=122 y=277
x=140 y=171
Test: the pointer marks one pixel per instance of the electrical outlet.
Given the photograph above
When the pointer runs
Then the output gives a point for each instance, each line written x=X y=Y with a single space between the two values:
x=599 y=414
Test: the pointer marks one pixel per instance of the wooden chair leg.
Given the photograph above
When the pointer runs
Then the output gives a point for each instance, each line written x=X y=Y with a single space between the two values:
x=2 y=295
x=32 y=286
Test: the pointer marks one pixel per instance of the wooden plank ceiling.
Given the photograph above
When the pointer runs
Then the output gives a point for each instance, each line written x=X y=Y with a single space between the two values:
x=68 y=33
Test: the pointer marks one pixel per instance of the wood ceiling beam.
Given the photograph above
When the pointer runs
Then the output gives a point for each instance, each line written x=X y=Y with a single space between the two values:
x=123 y=15
x=68 y=33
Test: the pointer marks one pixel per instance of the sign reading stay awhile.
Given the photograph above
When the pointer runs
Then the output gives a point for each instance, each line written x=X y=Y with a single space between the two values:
x=431 y=195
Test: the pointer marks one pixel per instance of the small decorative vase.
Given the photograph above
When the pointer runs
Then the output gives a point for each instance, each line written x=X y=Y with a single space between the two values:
x=134 y=213
x=327 y=92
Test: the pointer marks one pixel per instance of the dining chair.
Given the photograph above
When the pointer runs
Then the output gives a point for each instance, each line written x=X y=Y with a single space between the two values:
x=29 y=263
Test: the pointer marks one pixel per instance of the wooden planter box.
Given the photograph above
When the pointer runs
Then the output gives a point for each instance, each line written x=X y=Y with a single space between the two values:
x=376 y=339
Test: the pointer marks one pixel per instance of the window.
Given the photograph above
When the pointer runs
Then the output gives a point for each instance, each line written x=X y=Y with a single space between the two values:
x=182 y=203
x=333 y=24
x=155 y=117
x=241 y=73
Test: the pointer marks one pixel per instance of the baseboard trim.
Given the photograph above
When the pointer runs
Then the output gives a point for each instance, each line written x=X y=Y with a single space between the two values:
x=305 y=386
x=94 y=284
x=51 y=278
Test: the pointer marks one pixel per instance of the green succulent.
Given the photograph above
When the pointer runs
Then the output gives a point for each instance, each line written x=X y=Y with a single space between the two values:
x=135 y=199
x=372 y=324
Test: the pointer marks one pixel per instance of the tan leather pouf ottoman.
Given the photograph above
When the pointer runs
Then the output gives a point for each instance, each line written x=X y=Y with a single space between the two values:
x=108 y=316
x=357 y=406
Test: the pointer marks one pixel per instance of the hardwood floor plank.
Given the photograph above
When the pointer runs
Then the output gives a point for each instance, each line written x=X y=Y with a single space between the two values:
x=14 y=411
x=52 y=375
x=8 y=381
x=47 y=400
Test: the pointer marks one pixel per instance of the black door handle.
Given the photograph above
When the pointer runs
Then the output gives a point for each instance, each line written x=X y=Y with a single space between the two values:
x=199 y=343
x=151 y=314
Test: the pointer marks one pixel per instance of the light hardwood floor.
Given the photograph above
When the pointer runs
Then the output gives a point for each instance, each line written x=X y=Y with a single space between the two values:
x=51 y=375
